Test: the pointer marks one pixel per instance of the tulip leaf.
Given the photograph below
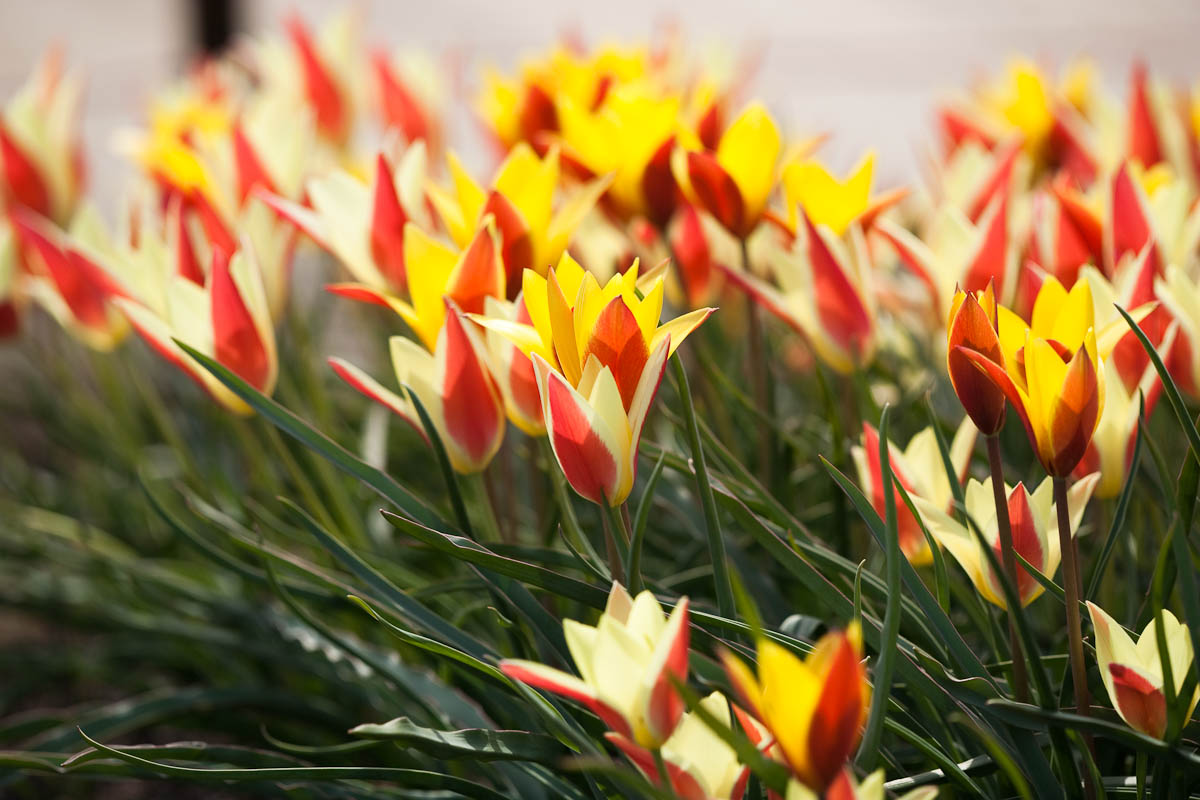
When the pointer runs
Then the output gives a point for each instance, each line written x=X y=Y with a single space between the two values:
x=1116 y=527
x=412 y=609
x=410 y=778
x=882 y=684
x=475 y=553
x=712 y=520
x=474 y=743
x=310 y=437
x=443 y=460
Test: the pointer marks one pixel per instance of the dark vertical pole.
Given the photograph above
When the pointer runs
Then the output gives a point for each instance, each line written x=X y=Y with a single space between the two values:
x=213 y=23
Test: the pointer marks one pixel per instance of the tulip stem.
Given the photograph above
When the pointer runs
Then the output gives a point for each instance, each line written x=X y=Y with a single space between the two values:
x=616 y=536
x=759 y=380
x=664 y=776
x=1066 y=543
x=1020 y=682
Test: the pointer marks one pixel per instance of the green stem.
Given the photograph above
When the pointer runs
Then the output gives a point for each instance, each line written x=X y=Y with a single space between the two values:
x=663 y=775
x=1009 y=559
x=759 y=378
x=1066 y=544
x=301 y=481
x=618 y=536
x=712 y=522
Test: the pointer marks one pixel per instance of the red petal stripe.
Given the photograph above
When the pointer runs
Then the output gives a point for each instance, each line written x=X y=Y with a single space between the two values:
x=1143 y=133
x=323 y=92
x=387 y=227
x=839 y=306
x=472 y=415
x=516 y=244
x=476 y=274
x=1140 y=702
x=717 y=191
x=236 y=341
x=584 y=457
x=618 y=343
x=400 y=107
x=23 y=183
x=837 y=720
x=250 y=171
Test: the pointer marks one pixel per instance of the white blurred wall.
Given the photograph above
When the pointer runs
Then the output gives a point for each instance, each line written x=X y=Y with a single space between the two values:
x=865 y=70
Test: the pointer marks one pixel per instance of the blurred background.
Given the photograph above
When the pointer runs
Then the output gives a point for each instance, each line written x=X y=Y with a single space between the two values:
x=867 y=71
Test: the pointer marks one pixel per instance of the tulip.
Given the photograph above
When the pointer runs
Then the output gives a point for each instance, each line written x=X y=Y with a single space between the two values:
x=734 y=182
x=598 y=354
x=41 y=159
x=10 y=298
x=1033 y=520
x=845 y=787
x=822 y=291
x=512 y=369
x=521 y=201
x=1055 y=379
x=1179 y=293
x=830 y=202
x=700 y=765
x=1050 y=118
x=699 y=246
x=318 y=72
x=631 y=136
x=626 y=663
x=448 y=368
x=815 y=709
x=454 y=385
x=920 y=470
x=408 y=91
x=975 y=323
x=66 y=280
x=959 y=254
x=1133 y=673
x=226 y=317
x=363 y=225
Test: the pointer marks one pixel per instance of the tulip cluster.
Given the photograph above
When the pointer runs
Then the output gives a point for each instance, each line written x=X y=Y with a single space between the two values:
x=633 y=192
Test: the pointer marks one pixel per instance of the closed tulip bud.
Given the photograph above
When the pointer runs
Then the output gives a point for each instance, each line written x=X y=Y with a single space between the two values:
x=626 y=663
x=1133 y=674
x=973 y=325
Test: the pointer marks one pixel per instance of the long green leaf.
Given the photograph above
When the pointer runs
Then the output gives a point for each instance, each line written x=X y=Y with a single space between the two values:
x=475 y=744
x=310 y=437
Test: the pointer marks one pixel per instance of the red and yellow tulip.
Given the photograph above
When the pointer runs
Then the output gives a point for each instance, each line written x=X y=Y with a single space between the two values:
x=974 y=325
x=1133 y=672
x=734 y=182
x=363 y=224
x=449 y=370
x=920 y=470
x=41 y=158
x=1034 y=531
x=626 y=663
x=1052 y=374
x=814 y=708
x=598 y=354
x=822 y=289
x=533 y=232
x=700 y=765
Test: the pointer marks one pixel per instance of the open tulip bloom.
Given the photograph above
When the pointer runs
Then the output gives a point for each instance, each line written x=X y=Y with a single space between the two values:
x=1034 y=528
x=599 y=355
x=813 y=708
x=1133 y=671
x=920 y=470
x=625 y=663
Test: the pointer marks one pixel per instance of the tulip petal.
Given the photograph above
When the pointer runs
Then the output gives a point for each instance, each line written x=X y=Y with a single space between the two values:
x=237 y=341
x=664 y=706
x=540 y=676
x=586 y=450
x=388 y=219
x=369 y=387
